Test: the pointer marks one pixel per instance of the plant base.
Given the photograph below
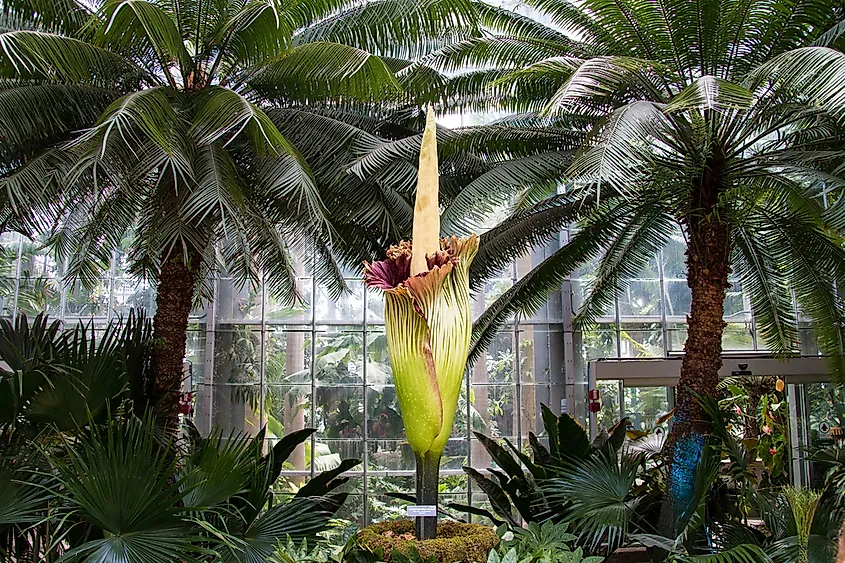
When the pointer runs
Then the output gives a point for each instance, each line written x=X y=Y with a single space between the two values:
x=455 y=542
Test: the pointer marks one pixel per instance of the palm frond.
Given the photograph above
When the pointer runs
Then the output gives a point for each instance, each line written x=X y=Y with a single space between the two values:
x=633 y=138
x=28 y=193
x=639 y=237
x=812 y=260
x=130 y=23
x=710 y=93
x=54 y=111
x=599 y=491
x=136 y=121
x=122 y=481
x=323 y=70
x=40 y=55
x=499 y=185
x=66 y=16
x=397 y=28
x=530 y=293
x=494 y=51
x=601 y=77
x=298 y=519
x=762 y=280
x=521 y=231
x=815 y=72
x=223 y=115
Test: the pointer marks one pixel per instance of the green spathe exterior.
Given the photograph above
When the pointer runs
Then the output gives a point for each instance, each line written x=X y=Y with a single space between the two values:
x=428 y=324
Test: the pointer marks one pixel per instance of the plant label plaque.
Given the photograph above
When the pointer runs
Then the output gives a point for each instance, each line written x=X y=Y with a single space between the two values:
x=422 y=511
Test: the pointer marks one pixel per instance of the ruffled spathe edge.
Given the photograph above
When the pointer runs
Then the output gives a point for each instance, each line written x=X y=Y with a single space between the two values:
x=394 y=273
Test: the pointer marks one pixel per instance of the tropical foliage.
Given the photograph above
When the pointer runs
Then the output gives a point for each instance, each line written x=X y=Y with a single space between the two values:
x=719 y=120
x=610 y=493
x=87 y=475
x=151 y=117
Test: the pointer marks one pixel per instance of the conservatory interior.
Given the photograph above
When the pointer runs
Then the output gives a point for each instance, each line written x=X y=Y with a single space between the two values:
x=422 y=281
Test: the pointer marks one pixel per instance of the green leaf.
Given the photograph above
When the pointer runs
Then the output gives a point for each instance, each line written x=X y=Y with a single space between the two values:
x=469 y=509
x=122 y=480
x=23 y=501
x=323 y=483
x=41 y=55
x=498 y=499
x=130 y=22
x=323 y=70
x=223 y=114
x=574 y=442
x=710 y=93
x=501 y=456
x=298 y=519
x=815 y=72
x=284 y=448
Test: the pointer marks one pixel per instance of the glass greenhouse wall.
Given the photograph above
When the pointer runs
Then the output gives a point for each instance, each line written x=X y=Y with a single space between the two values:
x=253 y=362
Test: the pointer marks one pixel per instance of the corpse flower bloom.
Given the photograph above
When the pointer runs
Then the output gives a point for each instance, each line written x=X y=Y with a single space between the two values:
x=428 y=324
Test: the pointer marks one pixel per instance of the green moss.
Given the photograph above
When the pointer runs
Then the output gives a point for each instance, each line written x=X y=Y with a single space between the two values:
x=455 y=542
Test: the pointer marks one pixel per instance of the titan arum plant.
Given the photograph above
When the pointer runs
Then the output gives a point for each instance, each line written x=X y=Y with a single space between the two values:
x=428 y=321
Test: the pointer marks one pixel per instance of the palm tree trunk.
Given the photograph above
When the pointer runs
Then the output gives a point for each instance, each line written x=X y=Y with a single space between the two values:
x=176 y=284
x=708 y=266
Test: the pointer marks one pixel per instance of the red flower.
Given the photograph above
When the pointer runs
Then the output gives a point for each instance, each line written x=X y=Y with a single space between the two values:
x=772 y=451
x=737 y=409
x=766 y=429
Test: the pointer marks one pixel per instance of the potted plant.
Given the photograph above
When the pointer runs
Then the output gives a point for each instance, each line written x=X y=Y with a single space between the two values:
x=428 y=324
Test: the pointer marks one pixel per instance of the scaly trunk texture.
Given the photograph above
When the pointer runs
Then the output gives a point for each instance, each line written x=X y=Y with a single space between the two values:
x=428 y=481
x=708 y=266
x=752 y=428
x=755 y=388
x=176 y=284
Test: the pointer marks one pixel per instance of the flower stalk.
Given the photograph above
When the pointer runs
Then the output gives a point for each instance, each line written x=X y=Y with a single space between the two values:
x=428 y=324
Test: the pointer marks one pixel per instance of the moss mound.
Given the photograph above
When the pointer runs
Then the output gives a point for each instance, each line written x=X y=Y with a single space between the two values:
x=455 y=542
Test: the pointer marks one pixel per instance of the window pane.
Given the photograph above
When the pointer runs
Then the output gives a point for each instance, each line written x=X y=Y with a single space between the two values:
x=644 y=405
x=640 y=299
x=644 y=340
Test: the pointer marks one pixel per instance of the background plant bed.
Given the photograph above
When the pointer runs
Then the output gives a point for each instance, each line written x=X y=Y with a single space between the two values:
x=455 y=541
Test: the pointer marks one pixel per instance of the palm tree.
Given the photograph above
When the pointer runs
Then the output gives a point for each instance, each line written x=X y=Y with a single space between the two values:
x=149 y=117
x=717 y=118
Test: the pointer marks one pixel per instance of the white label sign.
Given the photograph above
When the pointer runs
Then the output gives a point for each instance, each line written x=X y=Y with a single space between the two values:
x=424 y=511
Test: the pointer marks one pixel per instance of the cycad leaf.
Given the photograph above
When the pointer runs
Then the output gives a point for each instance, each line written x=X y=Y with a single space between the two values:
x=710 y=93
x=397 y=28
x=600 y=77
x=765 y=284
x=223 y=114
x=36 y=54
x=131 y=21
x=324 y=70
x=815 y=72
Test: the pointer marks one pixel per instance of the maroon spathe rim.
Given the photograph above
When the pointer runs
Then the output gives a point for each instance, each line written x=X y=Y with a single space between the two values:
x=396 y=269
